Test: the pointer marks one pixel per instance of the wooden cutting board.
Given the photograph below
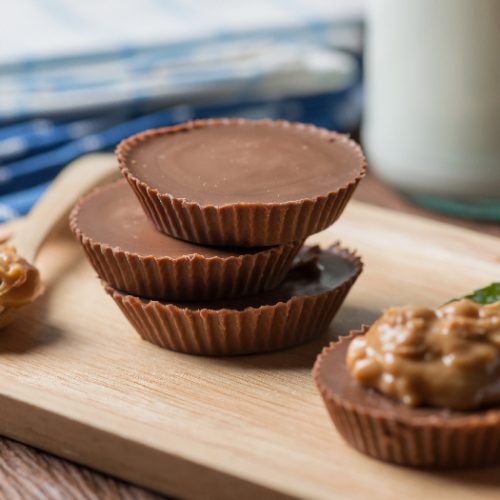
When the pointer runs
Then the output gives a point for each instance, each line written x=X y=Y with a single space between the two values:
x=77 y=381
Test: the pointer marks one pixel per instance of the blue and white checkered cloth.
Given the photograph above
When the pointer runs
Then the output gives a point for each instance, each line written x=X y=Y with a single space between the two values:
x=77 y=77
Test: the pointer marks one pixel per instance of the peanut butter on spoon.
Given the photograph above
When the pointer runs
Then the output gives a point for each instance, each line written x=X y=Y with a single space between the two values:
x=20 y=281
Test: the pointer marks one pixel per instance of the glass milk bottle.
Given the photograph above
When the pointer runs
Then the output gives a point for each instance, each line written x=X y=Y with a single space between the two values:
x=432 y=118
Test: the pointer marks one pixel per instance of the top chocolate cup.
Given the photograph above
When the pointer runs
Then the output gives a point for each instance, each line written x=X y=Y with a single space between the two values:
x=235 y=182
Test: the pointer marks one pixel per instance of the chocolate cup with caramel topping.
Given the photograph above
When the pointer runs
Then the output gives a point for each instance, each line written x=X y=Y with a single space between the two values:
x=299 y=309
x=388 y=430
x=128 y=252
x=235 y=182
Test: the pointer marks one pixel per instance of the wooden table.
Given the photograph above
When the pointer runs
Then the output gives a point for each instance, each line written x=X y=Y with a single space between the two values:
x=28 y=473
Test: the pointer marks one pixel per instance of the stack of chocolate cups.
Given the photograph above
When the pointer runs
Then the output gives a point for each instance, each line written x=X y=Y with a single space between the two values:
x=201 y=245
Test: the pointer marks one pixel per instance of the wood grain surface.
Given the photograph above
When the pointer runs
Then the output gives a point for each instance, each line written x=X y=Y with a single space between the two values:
x=27 y=473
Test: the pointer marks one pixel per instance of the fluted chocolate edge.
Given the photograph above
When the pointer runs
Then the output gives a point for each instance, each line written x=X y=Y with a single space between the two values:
x=240 y=224
x=429 y=442
x=232 y=332
x=191 y=277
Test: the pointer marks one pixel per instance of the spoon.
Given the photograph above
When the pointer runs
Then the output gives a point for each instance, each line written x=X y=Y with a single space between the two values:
x=20 y=282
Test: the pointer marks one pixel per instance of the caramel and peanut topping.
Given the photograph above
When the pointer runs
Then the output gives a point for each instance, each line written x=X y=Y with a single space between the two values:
x=447 y=357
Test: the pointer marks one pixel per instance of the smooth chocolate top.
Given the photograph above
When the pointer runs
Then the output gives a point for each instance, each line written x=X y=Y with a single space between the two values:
x=335 y=375
x=113 y=216
x=251 y=162
x=314 y=272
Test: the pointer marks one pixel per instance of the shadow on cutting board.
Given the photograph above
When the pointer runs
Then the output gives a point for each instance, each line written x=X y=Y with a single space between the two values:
x=20 y=340
x=469 y=478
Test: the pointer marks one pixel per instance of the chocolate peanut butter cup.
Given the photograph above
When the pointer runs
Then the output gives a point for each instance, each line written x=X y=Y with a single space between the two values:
x=128 y=252
x=240 y=182
x=389 y=430
x=300 y=308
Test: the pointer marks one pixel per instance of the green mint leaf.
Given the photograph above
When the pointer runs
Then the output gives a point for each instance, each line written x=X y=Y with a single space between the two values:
x=487 y=295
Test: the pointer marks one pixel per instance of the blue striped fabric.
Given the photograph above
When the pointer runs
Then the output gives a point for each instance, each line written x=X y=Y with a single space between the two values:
x=83 y=81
